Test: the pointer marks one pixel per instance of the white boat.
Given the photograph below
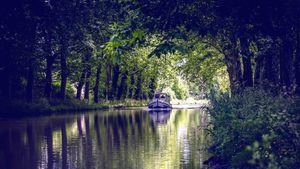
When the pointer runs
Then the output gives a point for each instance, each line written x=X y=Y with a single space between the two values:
x=160 y=101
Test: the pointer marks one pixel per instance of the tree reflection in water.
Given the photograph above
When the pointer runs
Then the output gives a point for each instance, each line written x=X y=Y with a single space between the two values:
x=160 y=117
x=110 y=139
x=64 y=149
x=49 y=142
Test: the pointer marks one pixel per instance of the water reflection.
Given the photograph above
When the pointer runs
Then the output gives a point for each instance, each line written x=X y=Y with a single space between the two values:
x=160 y=117
x=111 y=139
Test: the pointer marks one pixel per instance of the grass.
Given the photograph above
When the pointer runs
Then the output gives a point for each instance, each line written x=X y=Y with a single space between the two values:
x=56 y=106
x=126 y=103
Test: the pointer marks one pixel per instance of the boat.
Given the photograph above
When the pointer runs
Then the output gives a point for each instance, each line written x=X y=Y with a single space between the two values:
x=160 y=101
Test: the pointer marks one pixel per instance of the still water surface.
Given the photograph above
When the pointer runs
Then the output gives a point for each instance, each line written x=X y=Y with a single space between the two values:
x=123 y=139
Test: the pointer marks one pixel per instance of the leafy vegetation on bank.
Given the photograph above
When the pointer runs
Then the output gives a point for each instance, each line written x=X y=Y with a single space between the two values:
x=255 y=129
x=114 y=50
x=45 y=107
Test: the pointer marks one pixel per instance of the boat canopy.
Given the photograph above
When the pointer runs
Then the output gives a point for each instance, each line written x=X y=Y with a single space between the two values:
x=163 y=96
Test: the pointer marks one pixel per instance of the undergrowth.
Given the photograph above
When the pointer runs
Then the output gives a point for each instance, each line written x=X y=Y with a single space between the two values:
x=56 y=106
x=255 y=129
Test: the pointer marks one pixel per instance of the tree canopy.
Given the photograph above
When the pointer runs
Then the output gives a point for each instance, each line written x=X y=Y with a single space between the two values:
x=123 y=49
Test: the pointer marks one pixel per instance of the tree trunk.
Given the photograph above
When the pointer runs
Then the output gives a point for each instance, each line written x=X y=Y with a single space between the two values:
x=31 y=66
x=269 y=80
x=97 y=82
x=48 y=86
x=116 y=70
x=258 y=71
x=247 y=72
x=83 y=76
x=297 y=66
x=108 y=82
x=152 y=87
x=50 y=58
x=7 y=87
x=64 y=70
x=234 y=70
x=269 y=70
x=80 y=85
x=131 y=88
x=138 y=91
x=87 y=83
x=286 y=73
x=266 y=63
x=88 y=76
x=5 y=92
x=123 y=86
x=247 y=66
x=30 y=81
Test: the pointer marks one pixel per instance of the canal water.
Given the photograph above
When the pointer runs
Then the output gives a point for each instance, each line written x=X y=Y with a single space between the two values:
x=119 y=139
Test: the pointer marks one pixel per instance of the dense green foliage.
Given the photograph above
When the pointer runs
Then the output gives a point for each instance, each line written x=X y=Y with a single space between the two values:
x=107 y=50
x=259 y=40
x=255 y=129
x=82 y=49
x=101 y=47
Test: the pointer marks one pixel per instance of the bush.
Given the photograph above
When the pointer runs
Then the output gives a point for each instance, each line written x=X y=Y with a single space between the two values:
x=42 y=106
x=253 y=130
x=69 y=90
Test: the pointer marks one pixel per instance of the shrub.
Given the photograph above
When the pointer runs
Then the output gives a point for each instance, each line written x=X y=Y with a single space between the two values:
x=253 y=130
x=69 y=90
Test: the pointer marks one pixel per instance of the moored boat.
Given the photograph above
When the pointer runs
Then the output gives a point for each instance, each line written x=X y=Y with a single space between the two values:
x=160 y=101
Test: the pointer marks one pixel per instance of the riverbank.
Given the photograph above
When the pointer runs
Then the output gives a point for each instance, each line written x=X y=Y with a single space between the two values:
x=255 y=129
x=42 y=107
